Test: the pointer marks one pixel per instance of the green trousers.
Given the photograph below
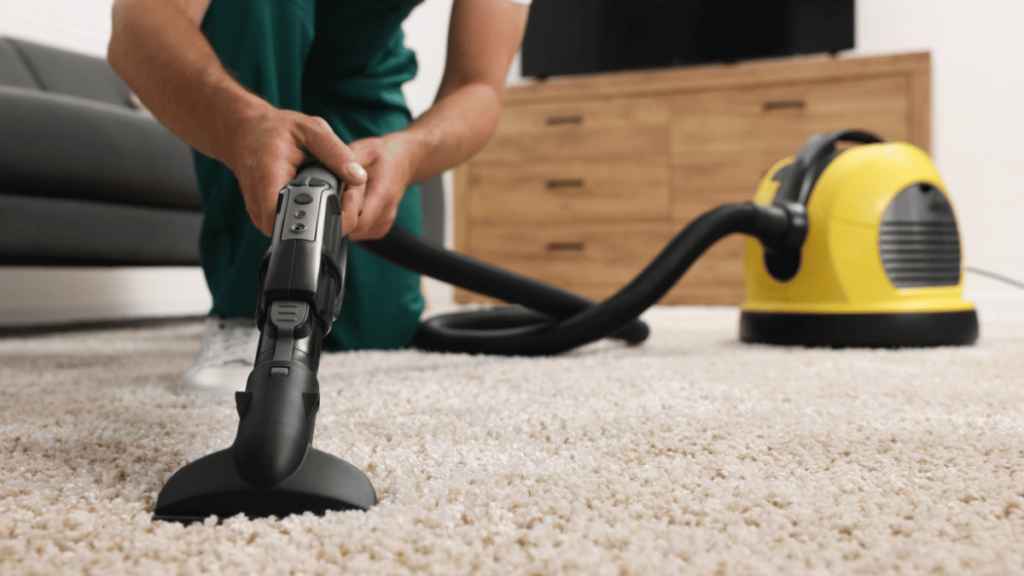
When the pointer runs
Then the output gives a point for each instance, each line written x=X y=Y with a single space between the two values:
x=343 y=60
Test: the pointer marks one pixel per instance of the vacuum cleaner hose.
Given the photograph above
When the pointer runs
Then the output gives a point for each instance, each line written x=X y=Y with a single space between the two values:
x=554 y=320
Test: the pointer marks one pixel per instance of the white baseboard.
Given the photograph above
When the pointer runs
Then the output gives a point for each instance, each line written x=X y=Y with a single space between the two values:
x=31 y=296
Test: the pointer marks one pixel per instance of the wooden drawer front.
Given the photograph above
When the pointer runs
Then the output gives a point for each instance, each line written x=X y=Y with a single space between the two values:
x=571 y=255
x=698 y=186
x=607 y=128
x=596 y=261
x=715 y=278
x=569 y=191
x=752 y=121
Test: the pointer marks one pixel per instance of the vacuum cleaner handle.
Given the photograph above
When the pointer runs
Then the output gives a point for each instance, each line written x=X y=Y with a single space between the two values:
x=302 y=279
x=307 y=254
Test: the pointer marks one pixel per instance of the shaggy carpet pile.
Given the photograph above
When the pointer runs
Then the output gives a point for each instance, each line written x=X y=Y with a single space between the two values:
x=693 y=453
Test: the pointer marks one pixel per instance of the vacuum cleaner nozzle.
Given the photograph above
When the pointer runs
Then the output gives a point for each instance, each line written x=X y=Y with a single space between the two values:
x=213 y=486
x=272 y=469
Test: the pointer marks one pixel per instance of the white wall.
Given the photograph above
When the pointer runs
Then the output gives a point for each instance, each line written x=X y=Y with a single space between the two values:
x=978 y=89
x=80 y=25
x=44 y=295
x=977 y=115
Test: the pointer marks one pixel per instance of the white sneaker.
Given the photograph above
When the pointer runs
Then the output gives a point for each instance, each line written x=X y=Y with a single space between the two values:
x=225 y=357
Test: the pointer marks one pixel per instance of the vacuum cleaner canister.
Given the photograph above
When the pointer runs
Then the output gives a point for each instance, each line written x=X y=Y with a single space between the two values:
x=881 y=265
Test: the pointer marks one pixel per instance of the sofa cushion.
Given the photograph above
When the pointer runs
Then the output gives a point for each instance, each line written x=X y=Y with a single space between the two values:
x=12 y=69
x=48 y=231
x=67 y=147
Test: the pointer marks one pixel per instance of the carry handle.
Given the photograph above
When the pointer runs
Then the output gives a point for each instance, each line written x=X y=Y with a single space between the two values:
x=561 y=120
x=566 y=246
x=564 y=183
x=794 y=104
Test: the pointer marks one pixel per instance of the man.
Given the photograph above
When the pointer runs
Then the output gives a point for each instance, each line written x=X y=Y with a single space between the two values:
x=256 y=87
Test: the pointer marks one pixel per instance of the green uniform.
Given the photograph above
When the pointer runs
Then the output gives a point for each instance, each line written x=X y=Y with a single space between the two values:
x=343 y=60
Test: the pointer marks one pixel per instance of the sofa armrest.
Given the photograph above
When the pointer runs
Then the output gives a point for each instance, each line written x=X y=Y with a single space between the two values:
x=69 y=147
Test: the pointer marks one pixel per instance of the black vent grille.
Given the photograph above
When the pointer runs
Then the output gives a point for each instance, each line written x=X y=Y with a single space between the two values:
x=918 y=239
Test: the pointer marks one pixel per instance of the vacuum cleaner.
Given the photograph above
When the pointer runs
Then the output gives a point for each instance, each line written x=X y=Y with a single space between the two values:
x=854 y=247
x=881 y=265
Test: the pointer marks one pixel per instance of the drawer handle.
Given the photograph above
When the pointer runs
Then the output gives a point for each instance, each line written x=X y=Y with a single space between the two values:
x=556 y=184
x=565 y=246
x=559 y=120
x=784 y=105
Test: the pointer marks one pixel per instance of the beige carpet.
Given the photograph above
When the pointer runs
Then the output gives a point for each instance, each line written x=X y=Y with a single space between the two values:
x=691 y=454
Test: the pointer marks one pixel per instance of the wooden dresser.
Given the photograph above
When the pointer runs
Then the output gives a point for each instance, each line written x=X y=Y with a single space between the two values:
x=586 y=179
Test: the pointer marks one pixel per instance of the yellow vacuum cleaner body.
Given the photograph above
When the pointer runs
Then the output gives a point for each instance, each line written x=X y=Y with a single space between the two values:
x=881 y=265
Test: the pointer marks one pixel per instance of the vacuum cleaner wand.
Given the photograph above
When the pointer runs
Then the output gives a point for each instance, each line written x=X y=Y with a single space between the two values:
x=272 y=468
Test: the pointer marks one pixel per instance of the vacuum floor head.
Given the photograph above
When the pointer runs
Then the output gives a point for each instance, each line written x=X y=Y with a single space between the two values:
x=271 y=469
x=212 y=485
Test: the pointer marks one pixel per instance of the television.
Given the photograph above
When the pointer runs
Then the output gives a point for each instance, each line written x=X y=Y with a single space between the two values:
x=585 y=36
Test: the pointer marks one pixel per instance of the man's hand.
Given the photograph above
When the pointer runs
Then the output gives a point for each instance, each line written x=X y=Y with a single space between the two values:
x=266 y=150
x=368 y=211
x=157 y=47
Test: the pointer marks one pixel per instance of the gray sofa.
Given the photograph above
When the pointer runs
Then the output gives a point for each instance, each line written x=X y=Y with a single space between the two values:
x=86 y=179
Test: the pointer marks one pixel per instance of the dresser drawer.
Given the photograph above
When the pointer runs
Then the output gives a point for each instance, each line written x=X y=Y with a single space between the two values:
x=585 y=129
x=571 y=255
x=586 y=180
x=752 y=121
x=700 y=185
x=715 y=278
x=596 y=261
x=569 y=191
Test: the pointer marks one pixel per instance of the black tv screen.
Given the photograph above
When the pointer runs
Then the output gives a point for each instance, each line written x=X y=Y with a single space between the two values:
x=581 y=36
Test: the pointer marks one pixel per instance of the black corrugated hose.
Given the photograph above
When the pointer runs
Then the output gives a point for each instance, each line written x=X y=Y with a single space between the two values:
x=554 y=320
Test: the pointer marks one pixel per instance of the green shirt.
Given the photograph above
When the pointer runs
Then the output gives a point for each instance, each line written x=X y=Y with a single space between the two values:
x=343 y=60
